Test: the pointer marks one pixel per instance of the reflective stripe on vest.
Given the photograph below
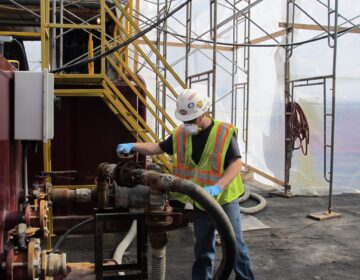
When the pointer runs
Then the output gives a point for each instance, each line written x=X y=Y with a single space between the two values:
x=210 y=168
x=204 y=177
x=221 y=135
x=181 y=135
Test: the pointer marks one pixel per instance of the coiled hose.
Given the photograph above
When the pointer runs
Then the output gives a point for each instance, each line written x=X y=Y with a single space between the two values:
x=252 y=210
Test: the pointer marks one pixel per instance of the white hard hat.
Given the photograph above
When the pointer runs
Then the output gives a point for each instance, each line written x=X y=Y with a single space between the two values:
x=191 y=104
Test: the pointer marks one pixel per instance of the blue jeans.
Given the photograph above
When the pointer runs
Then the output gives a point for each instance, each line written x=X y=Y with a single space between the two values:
x=204 y=249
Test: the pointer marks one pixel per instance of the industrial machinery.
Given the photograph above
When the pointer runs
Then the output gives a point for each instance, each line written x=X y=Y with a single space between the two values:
x=32 y=215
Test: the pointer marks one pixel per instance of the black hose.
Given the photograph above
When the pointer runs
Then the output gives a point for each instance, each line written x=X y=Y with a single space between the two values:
x=211 y=206
x=61 y=239
x=220 y=219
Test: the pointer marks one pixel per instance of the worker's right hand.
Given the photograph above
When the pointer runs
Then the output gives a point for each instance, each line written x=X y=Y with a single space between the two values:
x=125 y=148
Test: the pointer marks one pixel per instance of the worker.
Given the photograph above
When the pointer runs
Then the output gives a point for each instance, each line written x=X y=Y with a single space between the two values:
x=205 y=151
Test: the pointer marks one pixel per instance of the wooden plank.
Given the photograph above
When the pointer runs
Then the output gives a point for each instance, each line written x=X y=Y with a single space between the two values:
x=325 y=215
x=317 y=27
x=265 y=175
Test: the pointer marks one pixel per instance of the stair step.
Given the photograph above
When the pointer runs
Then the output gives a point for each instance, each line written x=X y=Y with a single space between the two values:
x=80 y=80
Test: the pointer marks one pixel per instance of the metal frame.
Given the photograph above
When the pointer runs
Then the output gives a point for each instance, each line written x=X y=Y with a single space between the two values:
x=237 y=17
x=243 y=87
x=290 y=85
x=138 y=269
x=201 y=77
x=160 y=91
x=290 y=15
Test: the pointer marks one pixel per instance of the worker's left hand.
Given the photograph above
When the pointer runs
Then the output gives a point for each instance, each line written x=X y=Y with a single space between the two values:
x=213 y=190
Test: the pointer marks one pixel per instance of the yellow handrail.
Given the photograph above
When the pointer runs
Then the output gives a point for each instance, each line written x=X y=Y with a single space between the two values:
x=153 y=66
x=138 y=94
x=129 y=122
x=143 y=88
x=91 y=67
x=130 y=110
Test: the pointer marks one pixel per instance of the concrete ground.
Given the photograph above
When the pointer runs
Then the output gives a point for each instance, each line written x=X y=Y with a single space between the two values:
x=294 y=247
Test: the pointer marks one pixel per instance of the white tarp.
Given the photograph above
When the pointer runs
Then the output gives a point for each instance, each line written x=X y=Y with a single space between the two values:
x=266 y=107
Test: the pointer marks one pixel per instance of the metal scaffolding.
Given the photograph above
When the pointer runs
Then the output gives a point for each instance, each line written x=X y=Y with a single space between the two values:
x=239 y=23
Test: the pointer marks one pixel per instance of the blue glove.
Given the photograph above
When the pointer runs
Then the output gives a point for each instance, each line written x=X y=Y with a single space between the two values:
x=213 y=190
x=125 y=148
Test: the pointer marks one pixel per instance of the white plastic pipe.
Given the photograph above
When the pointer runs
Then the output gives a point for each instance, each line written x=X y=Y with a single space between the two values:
x=124 y=244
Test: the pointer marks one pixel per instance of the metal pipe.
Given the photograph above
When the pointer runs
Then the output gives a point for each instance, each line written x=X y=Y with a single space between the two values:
x=61 y=46
x=333 y=100
x=159 y=184
x=213 y=23
x=53 y=37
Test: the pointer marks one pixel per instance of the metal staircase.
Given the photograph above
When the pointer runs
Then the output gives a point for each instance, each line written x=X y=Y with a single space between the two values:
x=101 y=85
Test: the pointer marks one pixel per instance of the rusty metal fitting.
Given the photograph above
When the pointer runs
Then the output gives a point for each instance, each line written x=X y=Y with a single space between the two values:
x=105 y=170
x=158 y=220
x=158 y=239
x=34 y=258
x=39 y=217
x=20 y=234
x=124 y=173
x=104 y=181
x=102 y=187
x=157 y=181
x=40 y=190
x=33 y=263
x=53 y=264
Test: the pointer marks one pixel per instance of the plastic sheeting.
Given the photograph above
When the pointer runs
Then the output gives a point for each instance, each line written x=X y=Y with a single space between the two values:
x=266 y=99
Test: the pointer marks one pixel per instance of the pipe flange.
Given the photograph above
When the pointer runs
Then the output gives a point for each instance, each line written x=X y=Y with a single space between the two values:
x=159 y=218
x=34 y=260
x=105 y=170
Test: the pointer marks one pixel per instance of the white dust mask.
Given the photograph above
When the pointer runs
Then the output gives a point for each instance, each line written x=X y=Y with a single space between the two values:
x=192 y=128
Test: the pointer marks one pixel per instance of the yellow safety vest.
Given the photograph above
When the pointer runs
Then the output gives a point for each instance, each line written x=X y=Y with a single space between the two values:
x=210 y=168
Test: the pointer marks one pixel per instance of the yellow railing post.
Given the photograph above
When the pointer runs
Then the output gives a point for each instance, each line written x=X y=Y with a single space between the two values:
x=147 y=59
x=129 y=29
x=136 y=54
x=45 y=49
x=103 y=33
x=44 y=30
x=91 y=67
